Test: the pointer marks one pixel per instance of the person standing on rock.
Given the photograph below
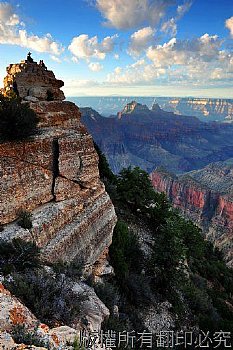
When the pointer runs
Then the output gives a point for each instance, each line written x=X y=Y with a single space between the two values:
x=29 y=58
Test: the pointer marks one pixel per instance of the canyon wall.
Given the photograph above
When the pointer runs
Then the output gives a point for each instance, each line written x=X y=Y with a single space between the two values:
x=154 y=138
x=206 y=109
x=208 y=208
x=55 y=176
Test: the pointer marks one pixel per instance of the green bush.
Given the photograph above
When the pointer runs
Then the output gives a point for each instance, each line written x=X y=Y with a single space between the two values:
x=73 y=269
x=21 y=335
x=125 y=253
x=17 y=120
x=108 y=293
x=181 y=266
x=25 y=219
x=50 y=297
x=17 y=255
x=138 y=290
x=75 y=345
x=104 y=169
x=135 y=189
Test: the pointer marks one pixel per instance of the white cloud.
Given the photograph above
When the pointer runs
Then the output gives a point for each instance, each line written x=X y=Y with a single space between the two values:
x=170 y=27
x=137 y=73
x=55 y=58
x=74 y=59
x=7 y=15
x=140 y=40
x=11 y=32
x=128 y=14
x=116 y=56
x=182 y=9
x=95 y=66
x=178 y=52
x=197 y=62
x=229 y=25
x=84 y=47
x=118 y=70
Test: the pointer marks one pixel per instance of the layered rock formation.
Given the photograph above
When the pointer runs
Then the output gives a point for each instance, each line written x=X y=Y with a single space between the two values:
x=206 y=197
x=206 y=109
x=55 y=176
x=30 y=80
x=151 y=138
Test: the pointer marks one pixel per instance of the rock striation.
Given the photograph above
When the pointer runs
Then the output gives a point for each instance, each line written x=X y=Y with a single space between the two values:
x=206 y=197
x=31 y=81
x=206 y=109
x=55 y=176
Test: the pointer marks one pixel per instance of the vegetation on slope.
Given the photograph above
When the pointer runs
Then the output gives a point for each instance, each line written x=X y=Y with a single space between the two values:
x=178 y=266
x=17 y=120
x=182 y=267
x=47 y=292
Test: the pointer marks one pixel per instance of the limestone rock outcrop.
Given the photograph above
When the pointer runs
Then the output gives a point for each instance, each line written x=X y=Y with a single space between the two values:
x=55 y=176
x=32 y=81
x=206 y=197
x=14 y=313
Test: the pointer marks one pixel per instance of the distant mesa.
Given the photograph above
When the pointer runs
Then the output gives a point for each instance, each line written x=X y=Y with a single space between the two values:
x=156 y=108
x=133 y=107
x=32 y=81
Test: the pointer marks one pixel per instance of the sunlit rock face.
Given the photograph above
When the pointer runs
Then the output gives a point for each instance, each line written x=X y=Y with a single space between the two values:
x=206 y=197
x=206 y=109
x=33 y=81
x=55 y=176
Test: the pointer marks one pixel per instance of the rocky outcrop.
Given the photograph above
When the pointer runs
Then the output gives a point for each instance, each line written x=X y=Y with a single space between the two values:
x=208 y=203
x=55 y=176
x=32 y=81
x=14 y=313
x=133 y=107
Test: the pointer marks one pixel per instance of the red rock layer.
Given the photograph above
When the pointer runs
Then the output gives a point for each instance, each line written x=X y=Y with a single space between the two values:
x=210 y=210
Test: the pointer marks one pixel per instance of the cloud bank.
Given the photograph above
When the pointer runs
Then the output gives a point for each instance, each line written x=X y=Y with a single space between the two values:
x=12 y=32
x=122 y=14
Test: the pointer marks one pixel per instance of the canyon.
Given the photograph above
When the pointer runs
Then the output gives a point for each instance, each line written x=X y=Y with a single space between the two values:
x=54 y=176
x=149 y=138
x=204 y=196
x=183 y=147
x=206 y=109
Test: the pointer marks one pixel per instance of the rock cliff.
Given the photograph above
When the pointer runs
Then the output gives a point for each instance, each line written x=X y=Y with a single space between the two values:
x=206 y=197
x=30 y=80
x=55 y=176
x=204 y=108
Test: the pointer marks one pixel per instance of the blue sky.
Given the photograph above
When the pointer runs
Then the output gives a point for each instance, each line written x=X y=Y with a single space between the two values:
x=125 y=47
